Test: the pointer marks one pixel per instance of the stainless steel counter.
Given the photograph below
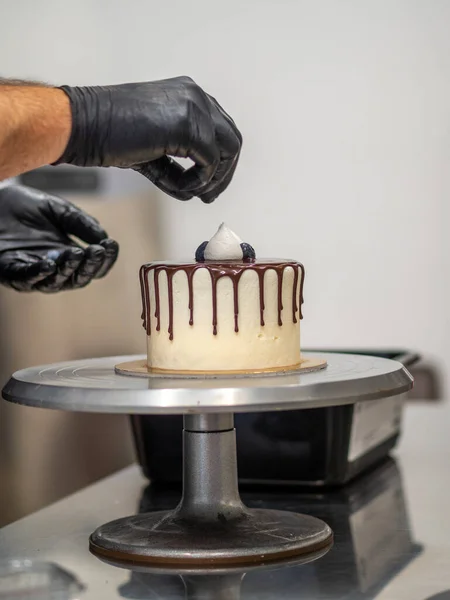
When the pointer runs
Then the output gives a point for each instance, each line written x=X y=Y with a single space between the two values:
x=392 y=531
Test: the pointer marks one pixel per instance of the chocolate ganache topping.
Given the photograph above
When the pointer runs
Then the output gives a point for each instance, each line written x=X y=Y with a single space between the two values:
x=223 y=245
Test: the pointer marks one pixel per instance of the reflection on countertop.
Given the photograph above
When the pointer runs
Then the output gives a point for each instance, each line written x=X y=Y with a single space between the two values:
x=373 y=542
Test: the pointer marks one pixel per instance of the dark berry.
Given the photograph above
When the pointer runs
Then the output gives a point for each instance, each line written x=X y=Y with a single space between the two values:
x=248 y=252
x=200 y=252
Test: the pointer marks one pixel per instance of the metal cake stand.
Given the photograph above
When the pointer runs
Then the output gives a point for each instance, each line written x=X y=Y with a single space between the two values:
x=211 y=526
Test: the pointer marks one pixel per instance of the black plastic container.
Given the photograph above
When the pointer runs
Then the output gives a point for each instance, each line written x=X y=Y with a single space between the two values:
x=316 y=447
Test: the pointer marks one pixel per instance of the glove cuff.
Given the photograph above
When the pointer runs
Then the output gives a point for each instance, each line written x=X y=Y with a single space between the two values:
x=82 y=149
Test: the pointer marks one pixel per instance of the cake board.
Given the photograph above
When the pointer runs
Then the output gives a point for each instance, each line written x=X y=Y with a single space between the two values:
x=211 y=527
x=138 y=368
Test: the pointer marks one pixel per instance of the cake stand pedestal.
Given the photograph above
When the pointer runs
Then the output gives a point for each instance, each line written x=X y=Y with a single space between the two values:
x=211 y=526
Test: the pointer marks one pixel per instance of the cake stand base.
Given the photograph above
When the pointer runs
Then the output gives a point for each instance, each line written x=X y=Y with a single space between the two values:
x=166 y=538
x=211 y=526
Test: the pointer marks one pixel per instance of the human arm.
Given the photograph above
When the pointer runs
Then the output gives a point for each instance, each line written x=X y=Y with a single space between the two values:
x=135 y=125
x=35 y=125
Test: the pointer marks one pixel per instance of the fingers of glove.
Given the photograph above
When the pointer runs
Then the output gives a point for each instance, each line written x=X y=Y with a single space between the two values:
x=229 y=145
x=211 y=195
x=74 y=221
x=111 y=252
x=227 y=117
x=230 y=152
x=23 y=276
x=67 y=264
x=200 y=145
x=210 y=191
x=93 y=260
x=201 y=173
x=165 y=173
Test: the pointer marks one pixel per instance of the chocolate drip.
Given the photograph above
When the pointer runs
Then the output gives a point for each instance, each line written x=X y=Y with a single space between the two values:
x=157 y=308
x=294 y=296
x=190 y=277
x=302 y=281
x=262 y=306
x=214 y=302
x=170 y=293
x=217 y=271
x=280 y=273
x=235 y=273
x=235 y=281
x=143 y=277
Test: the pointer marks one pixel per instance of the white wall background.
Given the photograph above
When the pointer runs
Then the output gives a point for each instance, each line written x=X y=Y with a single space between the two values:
x=345 y=110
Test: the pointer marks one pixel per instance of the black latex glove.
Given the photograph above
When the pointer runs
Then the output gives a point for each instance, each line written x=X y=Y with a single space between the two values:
x=141 y=125
x=36 y=252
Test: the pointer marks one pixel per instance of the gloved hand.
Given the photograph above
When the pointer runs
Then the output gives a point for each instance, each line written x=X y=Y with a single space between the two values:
x=141 y=125
x=36 y=252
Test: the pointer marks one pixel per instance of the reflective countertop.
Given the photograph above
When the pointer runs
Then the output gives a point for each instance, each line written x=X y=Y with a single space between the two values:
x=392 y=533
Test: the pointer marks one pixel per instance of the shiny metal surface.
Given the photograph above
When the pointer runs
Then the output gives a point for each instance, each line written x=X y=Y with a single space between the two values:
x=93 y=386
x=392 y=533
x=210 y=481
x=208 y=422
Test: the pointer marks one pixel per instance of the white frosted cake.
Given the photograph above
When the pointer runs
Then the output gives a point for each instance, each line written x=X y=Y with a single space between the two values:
x=224 y=312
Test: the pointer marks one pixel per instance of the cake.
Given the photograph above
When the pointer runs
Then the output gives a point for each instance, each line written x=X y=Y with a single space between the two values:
x=225 y=311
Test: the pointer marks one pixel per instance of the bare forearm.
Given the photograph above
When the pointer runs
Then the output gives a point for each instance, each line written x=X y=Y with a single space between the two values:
x=35 y=124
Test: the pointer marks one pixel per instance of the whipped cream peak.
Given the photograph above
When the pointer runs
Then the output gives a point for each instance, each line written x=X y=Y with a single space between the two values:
x=224 y=245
